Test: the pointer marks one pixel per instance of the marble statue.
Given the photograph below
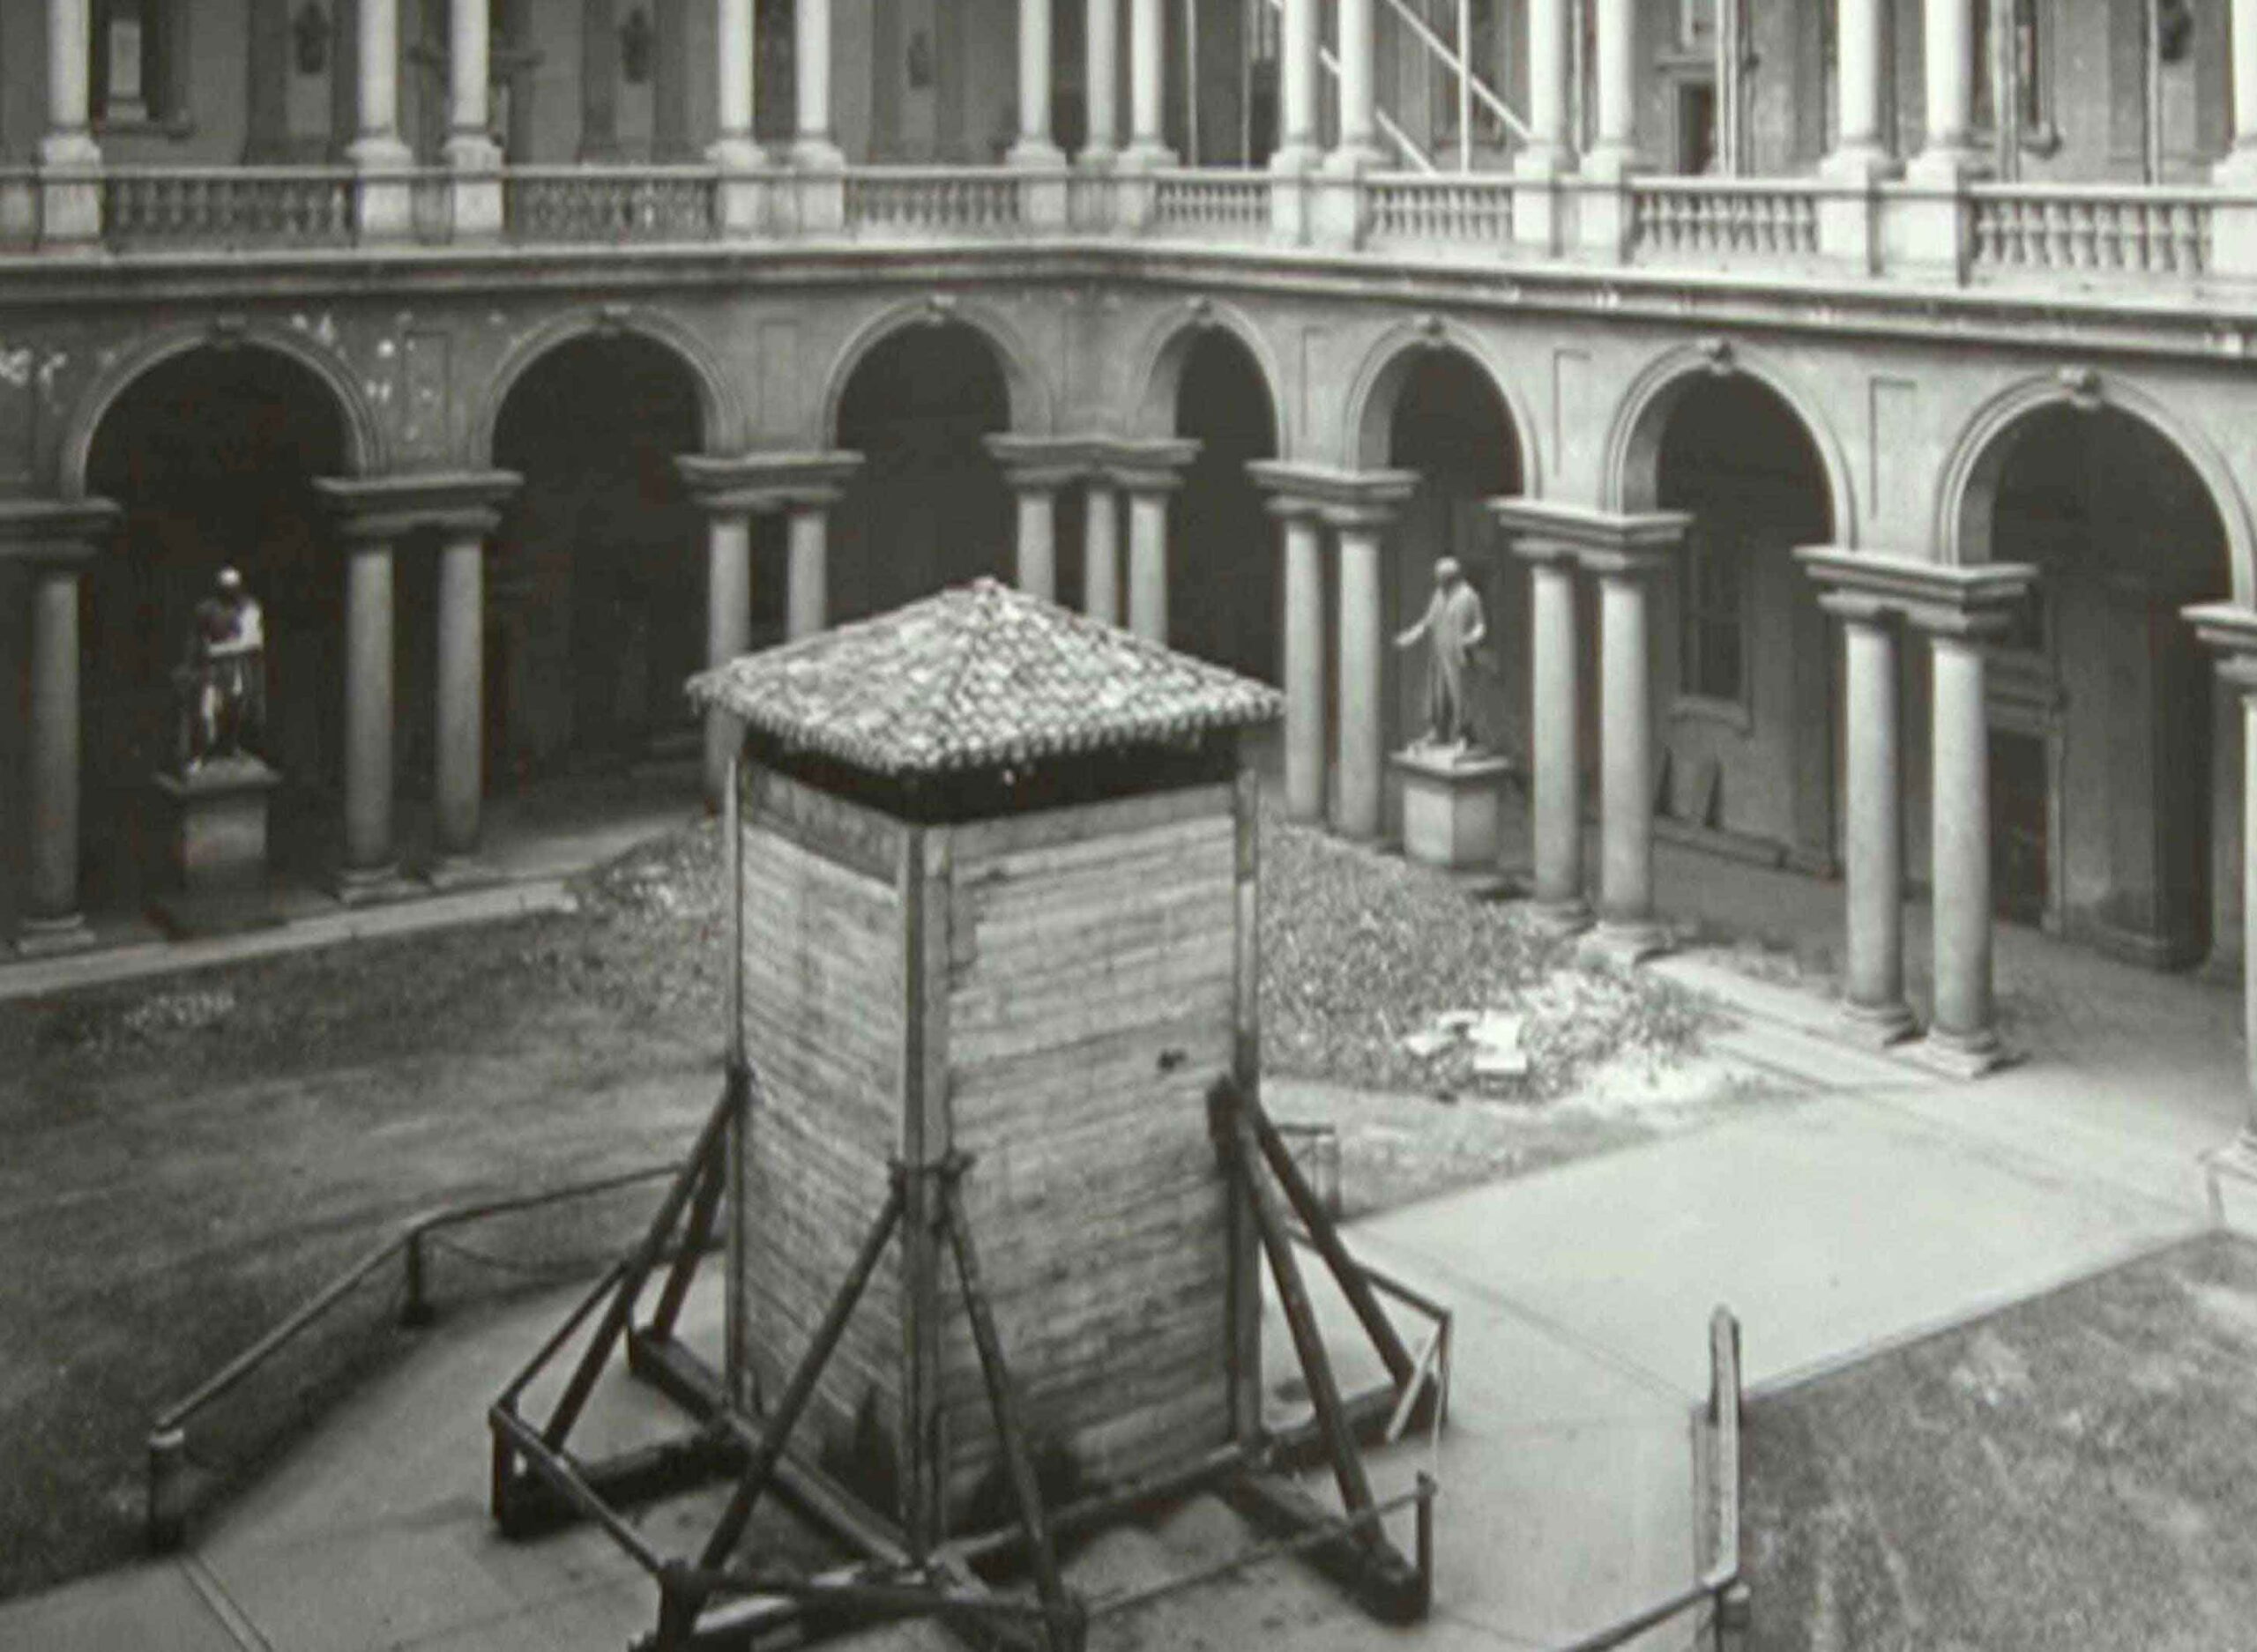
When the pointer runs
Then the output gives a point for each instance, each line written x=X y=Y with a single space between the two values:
x=222 y=676
x=1452 y=627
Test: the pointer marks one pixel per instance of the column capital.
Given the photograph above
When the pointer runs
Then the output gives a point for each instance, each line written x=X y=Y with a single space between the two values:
x=747 y=483
x=1045 y=463
x=1146 y=467
x=1339 y=497
x=373 y=510
x=54 y=532
x=1616 y=544
x=1973 y=602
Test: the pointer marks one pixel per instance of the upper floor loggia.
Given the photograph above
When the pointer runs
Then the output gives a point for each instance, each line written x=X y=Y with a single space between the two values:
x=2062 y=145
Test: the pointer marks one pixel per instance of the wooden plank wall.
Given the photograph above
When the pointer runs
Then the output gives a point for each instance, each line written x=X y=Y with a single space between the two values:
x=1093 y=961
x=823 y=1027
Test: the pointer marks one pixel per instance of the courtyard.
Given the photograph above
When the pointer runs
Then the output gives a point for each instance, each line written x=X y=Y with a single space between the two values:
x=192 y=1154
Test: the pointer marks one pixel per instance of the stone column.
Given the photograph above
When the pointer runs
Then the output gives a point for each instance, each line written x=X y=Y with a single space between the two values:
x=1555 y=734
x=1873 y=974
x=459 y=782
x=807 y=599
x=1037 y=570
x=1035 y=148
x=1539 y=220
x=1037 y=469
x=1614 y=146
x=1101 y=552
x=1363 y=654
x=52 y=922
x=1299 y=76
x=370 y=869
x=1304 y=663
x=1358 y=150
x=1860 y=149
x=2231 y=632
x=1626 y=804
x=1148 y=496
x=472 y=156
x=733 y=144
x=2239 y=165
x=815 y=147
x=1961 y=1034
x=1147 y=85
x=1102 y=63
x=1947 y=153
x=71 y=202
x=385 y=208
x=728 y=622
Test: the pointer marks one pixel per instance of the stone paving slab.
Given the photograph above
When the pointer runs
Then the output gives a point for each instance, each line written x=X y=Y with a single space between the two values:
x=153 y=1608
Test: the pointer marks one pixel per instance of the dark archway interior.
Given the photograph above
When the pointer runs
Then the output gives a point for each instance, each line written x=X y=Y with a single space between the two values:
x=596 y=593
x=2111 y=793
x=1451 y=426
x=929 y=507
x=211 y=456
x=1744 y=662
x=1225 y=588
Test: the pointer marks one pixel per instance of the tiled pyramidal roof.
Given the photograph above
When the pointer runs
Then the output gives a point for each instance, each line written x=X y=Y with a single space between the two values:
x=981 y=676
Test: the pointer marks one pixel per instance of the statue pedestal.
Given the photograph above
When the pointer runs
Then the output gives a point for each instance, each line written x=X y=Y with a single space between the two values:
x=214 y=822
x=1453 y=806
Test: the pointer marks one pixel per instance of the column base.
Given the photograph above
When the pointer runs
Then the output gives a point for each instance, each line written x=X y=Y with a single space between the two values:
x=70 y=190
x=450 y=873
x=1960 y=1055
x=1624 y=944
x=384 y=207
x=475 y=187
x=372 y=886
x=1557 y=919
x=1035 y=154
x=54 y=937
x=1147 y=155
x=2232 y=1171
x=1876 y=1026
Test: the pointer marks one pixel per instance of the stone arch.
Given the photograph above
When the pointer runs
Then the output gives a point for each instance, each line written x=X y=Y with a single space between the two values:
x=1631 y=478
x=1156 y=374
x=1966 y=502
x=720 y=411
x=1378 y=385
x=1030 y=395
x=365 y=449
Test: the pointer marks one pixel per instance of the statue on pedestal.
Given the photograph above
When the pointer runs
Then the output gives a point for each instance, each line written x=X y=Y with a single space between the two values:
x=222 y=676
x=1453 y=627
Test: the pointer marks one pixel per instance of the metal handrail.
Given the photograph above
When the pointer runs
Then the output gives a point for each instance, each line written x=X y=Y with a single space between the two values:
x=167 y=1443
x=1722 y=1583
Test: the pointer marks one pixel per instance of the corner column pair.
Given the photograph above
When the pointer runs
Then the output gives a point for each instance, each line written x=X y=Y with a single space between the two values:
x=1625 y=552
x=1146 y=475
x=732 y=491
x=1357 y=507
x=372 y=517
x=1959 y=609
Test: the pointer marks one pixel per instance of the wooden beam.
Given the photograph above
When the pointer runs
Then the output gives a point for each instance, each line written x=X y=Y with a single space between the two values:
x=1365 y=1564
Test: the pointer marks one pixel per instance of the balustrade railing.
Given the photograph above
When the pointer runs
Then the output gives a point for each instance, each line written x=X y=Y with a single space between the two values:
x=1221 y=205
x=229 y=206
x=2135 y=232
x=2006 y=231
x=1723 y=217
x=1442 y=210
x=611 y=203
x=929 y=200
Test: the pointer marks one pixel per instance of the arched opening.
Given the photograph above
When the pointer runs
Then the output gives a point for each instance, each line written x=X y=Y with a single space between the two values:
x=1450 y=425
x=1745 y=665
x=212 y=455
x=2115 y=756
x=929 y=507
x=595 y=607
x=1225 y=595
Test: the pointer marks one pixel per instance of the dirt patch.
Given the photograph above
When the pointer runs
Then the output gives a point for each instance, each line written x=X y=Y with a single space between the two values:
x=2077 y=1471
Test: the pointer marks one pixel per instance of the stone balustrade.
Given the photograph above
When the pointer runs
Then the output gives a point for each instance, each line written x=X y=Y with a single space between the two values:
x=1988 y=233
